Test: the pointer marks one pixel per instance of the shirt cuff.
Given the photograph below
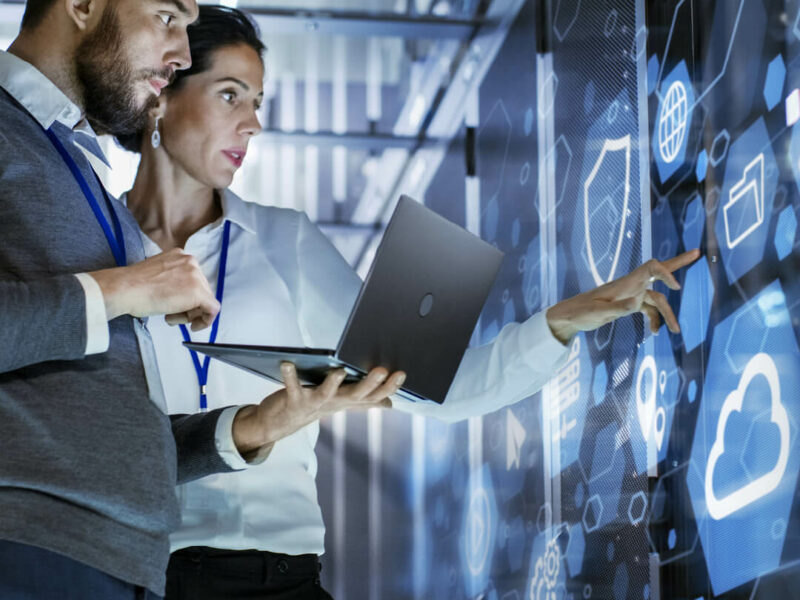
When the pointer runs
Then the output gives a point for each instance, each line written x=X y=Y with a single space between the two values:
x=223 y=437
x=97 y=337
x=541 y=348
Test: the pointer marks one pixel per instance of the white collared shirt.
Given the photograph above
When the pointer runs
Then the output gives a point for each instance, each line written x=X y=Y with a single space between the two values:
x=286 y=285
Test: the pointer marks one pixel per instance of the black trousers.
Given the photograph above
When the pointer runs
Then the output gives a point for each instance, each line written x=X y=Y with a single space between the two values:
x=200 y=573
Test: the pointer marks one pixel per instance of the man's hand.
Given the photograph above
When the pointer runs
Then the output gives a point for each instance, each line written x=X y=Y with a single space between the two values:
x=621 y=297
x=292 y=408
x=171 y=284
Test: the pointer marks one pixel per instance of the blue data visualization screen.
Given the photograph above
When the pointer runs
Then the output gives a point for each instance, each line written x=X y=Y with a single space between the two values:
x=606 y=133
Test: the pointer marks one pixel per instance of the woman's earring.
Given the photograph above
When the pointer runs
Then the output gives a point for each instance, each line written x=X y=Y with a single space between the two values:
x=155 y=139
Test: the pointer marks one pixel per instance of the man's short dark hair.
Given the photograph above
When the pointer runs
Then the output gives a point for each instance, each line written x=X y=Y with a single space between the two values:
x=35 y=10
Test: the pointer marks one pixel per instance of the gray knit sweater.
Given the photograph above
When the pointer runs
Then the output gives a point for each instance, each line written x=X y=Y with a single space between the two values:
x=88 y=463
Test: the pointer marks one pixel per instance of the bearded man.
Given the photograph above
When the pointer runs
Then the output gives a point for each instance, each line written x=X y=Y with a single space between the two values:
x=89 y=459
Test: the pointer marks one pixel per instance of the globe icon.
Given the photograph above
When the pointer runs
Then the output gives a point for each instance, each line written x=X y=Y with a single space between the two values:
x=672 y=123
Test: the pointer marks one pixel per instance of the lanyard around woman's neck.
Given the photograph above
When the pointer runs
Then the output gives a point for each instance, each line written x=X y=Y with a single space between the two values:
x=202 y=368
x=116 y=239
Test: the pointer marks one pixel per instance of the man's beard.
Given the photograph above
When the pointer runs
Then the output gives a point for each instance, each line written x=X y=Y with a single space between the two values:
x=107 y=80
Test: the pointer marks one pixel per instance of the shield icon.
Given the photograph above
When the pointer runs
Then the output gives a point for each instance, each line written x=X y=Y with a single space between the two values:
x=606 y=192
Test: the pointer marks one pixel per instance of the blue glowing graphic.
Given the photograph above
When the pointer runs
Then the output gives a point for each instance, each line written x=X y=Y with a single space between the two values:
x=605 y=479
x=773 y=86
x=694 y=222
x=670 y=136
x=573 y=384
x=785 y=232
x=479 y=532
x=575 y=550
x=607 y=213
x=702 y=166
x=698 y=294
x=657 y=384
x=547 y=575
x=748 y=192
x=739 y=491
x=652 y=74
x=599 y=383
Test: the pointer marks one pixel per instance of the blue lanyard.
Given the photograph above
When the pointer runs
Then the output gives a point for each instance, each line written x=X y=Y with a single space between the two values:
x=116 y=239
x=202 y=369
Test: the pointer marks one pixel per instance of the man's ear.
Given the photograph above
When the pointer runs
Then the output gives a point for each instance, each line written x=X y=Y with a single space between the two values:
x=83 y=12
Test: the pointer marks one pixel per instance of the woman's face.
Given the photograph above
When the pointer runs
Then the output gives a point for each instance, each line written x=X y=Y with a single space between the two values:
x=209 y=120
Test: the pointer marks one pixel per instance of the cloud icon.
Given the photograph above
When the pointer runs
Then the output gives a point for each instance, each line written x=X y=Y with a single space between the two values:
x=719 y=508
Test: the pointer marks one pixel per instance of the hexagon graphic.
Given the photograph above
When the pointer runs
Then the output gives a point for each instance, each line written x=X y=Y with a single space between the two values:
x=605 y=479
x=493 y=140
x=637 y=508
x=671 y=133
x=694 y=221
x=560 y=157
x=671 y=535
x=794 y=153
x=564 y=18
x=479 y=532
x=600 y=383
x=719 y=147
x=773 y=85
x=657 y=386
x=701 y=169
x=531 y=276
x=653 y=68
x=785 y=232
x=567 y=412
x=748 y=193
x=732 y=501
x=575 y=550
x=698 y=294
x=664 y=234
x=592 y=514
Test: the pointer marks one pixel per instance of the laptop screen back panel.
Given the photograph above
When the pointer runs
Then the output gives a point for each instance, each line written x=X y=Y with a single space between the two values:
x=421 y=300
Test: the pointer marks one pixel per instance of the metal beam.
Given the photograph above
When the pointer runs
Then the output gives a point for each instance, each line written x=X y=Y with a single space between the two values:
x=376 y=142
x=359 y=23
x=334 y=22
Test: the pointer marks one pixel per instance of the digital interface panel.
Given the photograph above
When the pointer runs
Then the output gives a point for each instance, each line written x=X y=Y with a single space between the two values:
x=651 y=467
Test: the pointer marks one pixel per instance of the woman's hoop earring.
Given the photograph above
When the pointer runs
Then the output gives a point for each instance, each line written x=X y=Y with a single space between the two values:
x=155 y=139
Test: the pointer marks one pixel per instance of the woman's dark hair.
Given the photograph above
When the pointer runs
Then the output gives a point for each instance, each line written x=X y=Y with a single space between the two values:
x=216 y=27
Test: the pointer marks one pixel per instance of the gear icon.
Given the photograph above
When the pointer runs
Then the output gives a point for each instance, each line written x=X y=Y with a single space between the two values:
x=546 y=572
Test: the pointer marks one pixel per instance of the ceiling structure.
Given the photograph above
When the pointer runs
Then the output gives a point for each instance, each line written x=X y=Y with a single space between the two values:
x=361 y=98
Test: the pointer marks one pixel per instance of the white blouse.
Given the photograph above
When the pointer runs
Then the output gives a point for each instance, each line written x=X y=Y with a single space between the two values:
x=287 y=285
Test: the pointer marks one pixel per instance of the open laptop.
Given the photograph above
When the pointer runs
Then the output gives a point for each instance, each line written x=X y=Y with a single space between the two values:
x=415 y=313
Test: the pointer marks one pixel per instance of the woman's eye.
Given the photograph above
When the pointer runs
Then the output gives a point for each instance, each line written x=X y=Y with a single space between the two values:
x=166 y=19
x=229 y=96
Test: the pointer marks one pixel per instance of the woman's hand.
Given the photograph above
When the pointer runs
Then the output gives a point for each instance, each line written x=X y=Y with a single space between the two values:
x=621 y=297
x=292 y=408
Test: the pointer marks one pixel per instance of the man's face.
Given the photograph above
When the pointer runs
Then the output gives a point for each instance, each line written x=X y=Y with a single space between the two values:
x=132 y=54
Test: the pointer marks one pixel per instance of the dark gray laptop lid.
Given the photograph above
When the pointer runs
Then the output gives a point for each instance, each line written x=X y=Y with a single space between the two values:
x=420 y=302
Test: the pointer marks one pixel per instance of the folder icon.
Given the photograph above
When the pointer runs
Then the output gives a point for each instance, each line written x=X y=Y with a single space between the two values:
x=744 y=211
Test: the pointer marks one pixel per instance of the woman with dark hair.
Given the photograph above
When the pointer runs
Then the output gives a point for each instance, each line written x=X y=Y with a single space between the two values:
x=258 y=533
